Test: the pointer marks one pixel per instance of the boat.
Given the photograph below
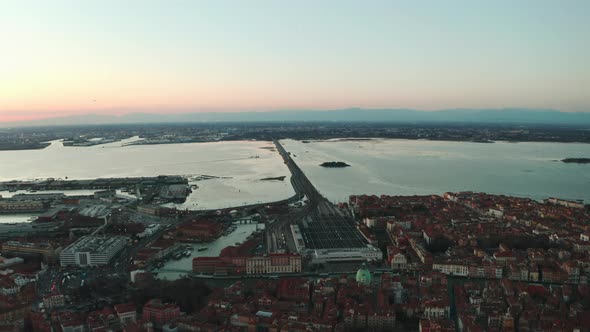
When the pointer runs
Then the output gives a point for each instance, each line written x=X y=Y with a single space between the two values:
x=202 y=248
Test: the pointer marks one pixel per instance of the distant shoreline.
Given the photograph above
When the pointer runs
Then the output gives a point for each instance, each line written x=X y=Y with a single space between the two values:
x=19 y=147
x=335 y=139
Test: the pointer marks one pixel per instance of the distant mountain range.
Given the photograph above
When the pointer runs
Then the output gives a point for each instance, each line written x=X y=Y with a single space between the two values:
x=485 y=116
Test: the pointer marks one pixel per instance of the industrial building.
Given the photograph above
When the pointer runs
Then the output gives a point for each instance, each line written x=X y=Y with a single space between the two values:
x=14 y=206
x=326 y=238
x=92 y=250
x=330 y=231
x=326 y=234
x=368 y=253
x=44 y=197
x=26 y=248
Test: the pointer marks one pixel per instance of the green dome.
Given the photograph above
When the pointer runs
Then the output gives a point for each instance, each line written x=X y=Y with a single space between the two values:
x=363 y=275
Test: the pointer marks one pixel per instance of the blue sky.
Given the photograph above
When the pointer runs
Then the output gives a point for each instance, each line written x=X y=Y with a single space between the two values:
x=65 y=57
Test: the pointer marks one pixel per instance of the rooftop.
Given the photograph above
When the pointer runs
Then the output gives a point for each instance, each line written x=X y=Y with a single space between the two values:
x=95 y=244
x=331 y=232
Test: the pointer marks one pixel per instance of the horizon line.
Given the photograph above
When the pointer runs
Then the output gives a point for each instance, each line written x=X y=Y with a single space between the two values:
x=94 y=118
x=31 y=116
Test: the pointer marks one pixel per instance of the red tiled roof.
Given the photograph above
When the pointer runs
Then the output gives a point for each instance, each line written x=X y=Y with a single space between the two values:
x=125 y=308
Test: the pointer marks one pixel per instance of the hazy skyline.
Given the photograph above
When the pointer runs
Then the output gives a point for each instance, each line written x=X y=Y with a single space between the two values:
x=112 y=57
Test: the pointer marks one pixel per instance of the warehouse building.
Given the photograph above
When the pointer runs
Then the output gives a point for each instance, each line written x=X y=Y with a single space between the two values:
x=46 y=250
x=14 y=206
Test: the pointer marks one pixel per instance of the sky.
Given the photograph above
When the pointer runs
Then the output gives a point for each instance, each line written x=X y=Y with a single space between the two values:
x=62 y=58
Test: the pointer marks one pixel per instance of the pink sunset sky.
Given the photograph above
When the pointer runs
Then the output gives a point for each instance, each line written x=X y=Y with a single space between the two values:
x=64 y=58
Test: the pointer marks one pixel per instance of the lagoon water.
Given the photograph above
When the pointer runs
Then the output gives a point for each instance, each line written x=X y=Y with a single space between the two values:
x=395 y=167
x=419 y=167
x=379 y=166
x=240 y=166
x=173 y=269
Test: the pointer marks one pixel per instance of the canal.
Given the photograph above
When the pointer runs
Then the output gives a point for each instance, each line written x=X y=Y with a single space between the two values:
x=212 y=250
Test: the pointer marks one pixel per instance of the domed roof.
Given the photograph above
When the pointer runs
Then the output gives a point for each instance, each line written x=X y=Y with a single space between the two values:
x=363 y=275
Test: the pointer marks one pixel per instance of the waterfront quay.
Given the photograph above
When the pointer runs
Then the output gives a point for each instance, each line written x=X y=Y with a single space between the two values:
x=100 y=183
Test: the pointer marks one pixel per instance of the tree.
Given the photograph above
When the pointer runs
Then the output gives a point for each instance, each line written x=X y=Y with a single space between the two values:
x=190 y=294
x=439 y=244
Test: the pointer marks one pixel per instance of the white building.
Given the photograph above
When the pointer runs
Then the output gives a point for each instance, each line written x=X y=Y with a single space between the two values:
x=455 y=269
x=23 y=279
x=368 y=253
x=92 y=250
x=8 y=286
x=571 y=204
x=437 y=309
x=298 y=238
x=370 y=222
x=399 y=261
x=404 y=224
x=496 y=212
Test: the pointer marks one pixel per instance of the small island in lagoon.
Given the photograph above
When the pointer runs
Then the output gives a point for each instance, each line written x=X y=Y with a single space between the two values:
x=278 y=178
x=334 y=164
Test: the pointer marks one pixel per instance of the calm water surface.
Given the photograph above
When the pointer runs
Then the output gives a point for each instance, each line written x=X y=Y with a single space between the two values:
x=240 y=166
x=408 y=167
x=396 y=167
x=173 y=269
